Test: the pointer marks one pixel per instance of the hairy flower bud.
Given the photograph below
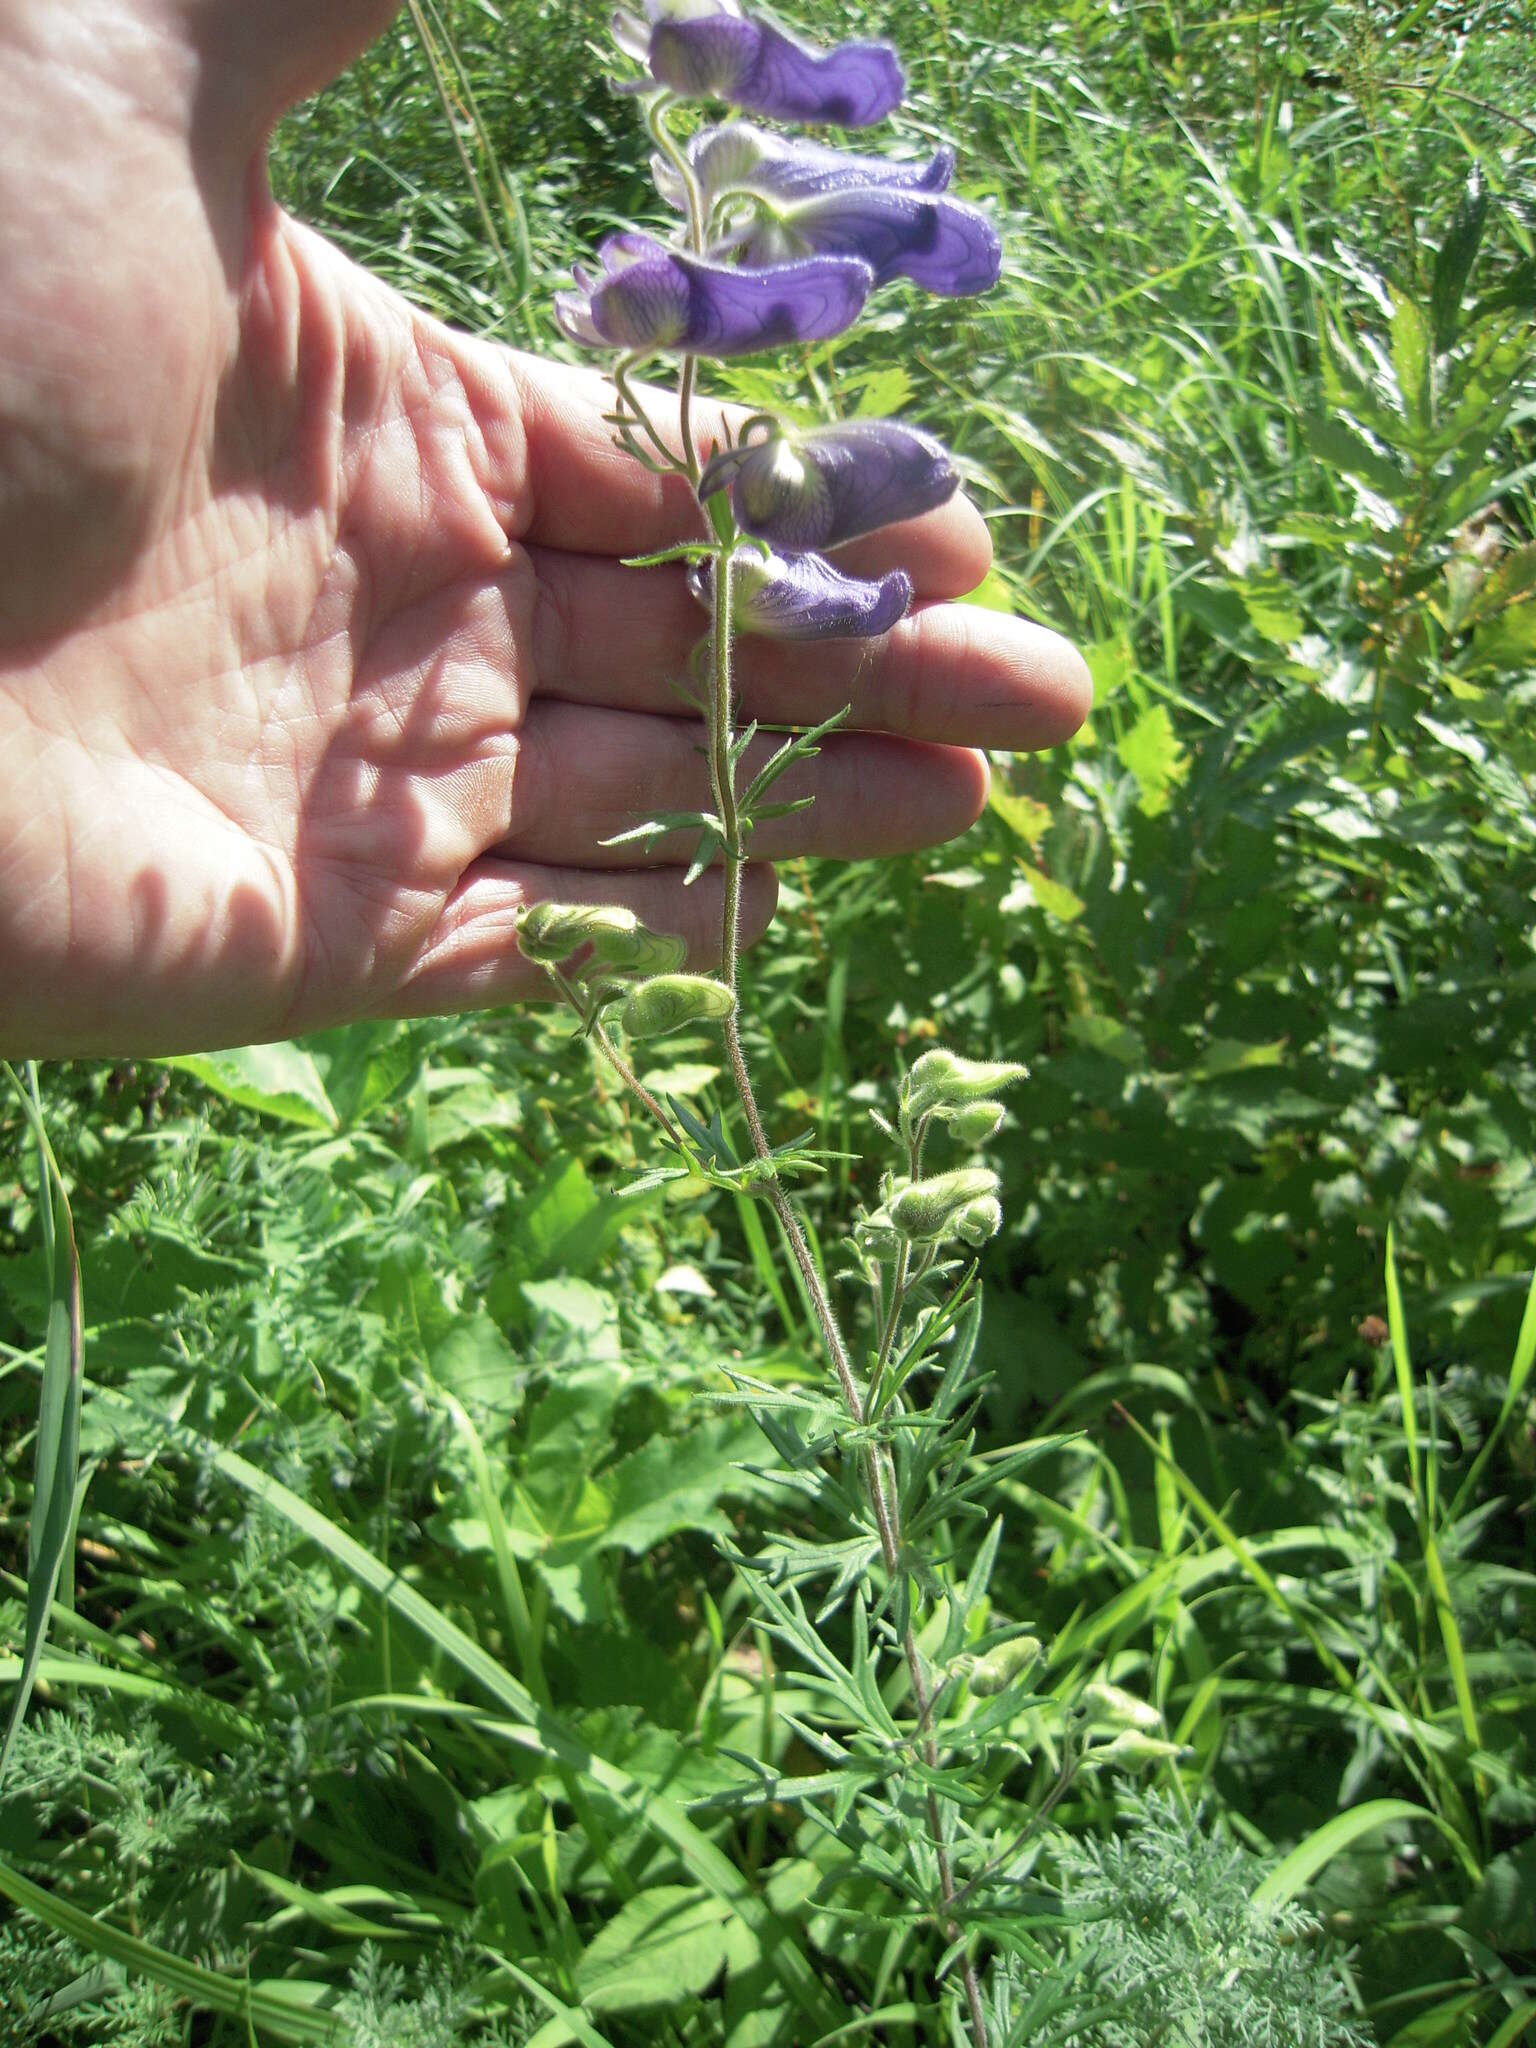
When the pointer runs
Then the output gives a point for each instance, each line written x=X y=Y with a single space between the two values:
x=928 y=1208
x=979 y=1222
x=972 y=1123
x=1134 y=1751
x=1112 y=1706
x=668 y=1002
x=551 y=932
x=653 y=953
x=944 y=1079
x=1002 y=1667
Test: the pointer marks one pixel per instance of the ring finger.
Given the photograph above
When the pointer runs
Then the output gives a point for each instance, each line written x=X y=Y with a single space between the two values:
x=586 y=774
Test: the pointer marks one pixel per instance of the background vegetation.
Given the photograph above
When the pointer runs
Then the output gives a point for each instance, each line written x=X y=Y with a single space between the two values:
x=403 y=1692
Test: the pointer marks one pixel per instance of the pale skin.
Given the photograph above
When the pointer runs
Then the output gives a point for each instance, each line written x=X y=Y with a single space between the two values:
x=317 y=661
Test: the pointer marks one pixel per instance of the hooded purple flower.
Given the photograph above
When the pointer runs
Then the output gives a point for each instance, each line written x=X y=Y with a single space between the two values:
x=652 y=297
x=710 y=49
x=830 y=484
x=738 y=158
x=941 y=244
x=801 y=597
x=771 y=199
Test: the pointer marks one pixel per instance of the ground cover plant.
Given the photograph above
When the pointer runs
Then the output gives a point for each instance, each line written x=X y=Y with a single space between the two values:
x=408 y=1679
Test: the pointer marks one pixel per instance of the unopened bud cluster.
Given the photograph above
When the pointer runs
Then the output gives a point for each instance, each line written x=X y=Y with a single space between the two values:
x=923 y=1211
x=615 y=958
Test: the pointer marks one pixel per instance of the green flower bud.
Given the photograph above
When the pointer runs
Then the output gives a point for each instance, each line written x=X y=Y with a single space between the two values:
x=928 y=1208
x=1112 y=1706
x=551 y=932
x=655 y=953
x=943 y=1079
x=1135 y=1751
x=1002 y=1667
x=973 y=1122
x=878 y=1239
x=979 y=1221
x=667 y=1002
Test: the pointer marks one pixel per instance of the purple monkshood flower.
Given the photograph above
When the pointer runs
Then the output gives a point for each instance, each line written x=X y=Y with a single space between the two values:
x=710 y=49
x=940 y=243
x=801 y=597
x=817 y=488
x=737 y=157
x=652 y=297
x=779 y=198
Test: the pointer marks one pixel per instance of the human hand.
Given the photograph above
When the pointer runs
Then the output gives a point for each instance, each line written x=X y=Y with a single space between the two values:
x=317 y=660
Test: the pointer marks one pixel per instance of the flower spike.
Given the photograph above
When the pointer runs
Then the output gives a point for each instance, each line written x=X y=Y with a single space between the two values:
x=801 y=597
x=652 y=297
x=820 y=487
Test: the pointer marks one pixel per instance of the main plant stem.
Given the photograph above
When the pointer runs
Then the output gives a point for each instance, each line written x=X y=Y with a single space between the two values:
x=878 y=1473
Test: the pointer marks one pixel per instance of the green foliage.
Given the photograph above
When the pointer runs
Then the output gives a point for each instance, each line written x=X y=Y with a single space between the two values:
x=1255 y=424
x=1173 y=1950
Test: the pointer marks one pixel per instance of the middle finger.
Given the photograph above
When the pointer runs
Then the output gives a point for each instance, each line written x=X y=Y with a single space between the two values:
x=951 y=673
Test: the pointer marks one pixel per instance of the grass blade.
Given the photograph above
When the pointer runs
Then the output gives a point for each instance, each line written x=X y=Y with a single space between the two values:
x=1294 y=1872
x=57 y=1464
x=283 y=2018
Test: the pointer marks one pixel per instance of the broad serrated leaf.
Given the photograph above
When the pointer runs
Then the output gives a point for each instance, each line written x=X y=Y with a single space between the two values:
x=1458 y=252
x=1151 y=752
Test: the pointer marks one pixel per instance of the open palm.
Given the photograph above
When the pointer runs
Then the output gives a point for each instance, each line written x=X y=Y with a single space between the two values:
x=317 y=660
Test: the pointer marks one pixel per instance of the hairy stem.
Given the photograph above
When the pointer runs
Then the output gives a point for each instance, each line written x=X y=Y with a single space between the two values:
x=879 y=1475
x=616 y=1060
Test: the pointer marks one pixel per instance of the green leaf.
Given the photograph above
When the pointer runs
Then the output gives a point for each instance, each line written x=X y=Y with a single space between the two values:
x=1515 y=2027
x=1457 y=254
x=993 y=593
x=1507 y=643
x=562 y=1226
x=1111 y=663
x=1272 y=610
x=664 y=1945
x=274 y=1080
x=1411 y=360
x=1054 y=898
x=1029 y=820
x=1151 y=752
x=884 y=391
x=1338 y=445
x=476 y=1364
x=1117 y=1041
x=676 y=1483
x=363 y=1065
x=687 y=1078
x=1235 y=1056
x=1502 y=1911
